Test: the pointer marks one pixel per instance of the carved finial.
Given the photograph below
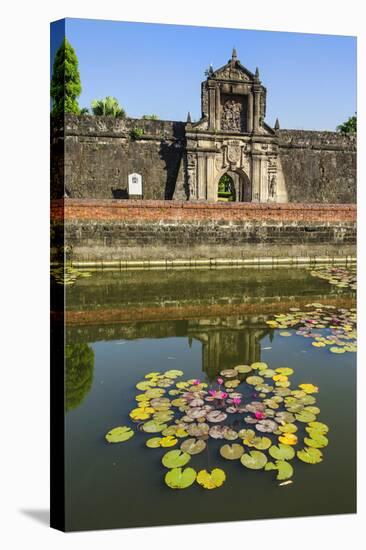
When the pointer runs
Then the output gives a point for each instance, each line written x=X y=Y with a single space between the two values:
x=257 y=73
x=277 y=124
x=210 y=70
x=234 y=55
x=189 y=120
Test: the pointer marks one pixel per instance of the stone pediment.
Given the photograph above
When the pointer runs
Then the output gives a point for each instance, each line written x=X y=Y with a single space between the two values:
x=234 y=71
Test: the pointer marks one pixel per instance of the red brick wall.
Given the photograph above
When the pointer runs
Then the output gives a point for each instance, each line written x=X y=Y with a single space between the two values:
x=114 y=210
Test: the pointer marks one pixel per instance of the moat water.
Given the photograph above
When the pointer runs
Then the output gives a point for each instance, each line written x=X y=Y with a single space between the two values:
x=122 y=325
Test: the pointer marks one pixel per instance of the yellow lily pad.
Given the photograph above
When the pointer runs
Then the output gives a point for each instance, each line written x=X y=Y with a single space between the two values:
x=211 y=480
x=119 y=434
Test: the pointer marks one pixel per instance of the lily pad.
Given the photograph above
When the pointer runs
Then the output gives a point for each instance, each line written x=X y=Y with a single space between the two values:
x=254 y=380
x=177 y=478
x=218 y=432
x=216 y=416
x=153 y=442
x=119 y=434
x=316 y=440
x=229 y=373
x=285 y=470
x=288 y=439
x=259 y=366
x=305 y=416
x=231 y=434
x=231 y=452
x=285 y=370
x=168 y=441
x=175 y=459
x=193 y=446
x=173 y=373
x=243 y=369
x=266 y=426
x=282 y=452
x=153 y=426
x=319 y=427
x=198 y=430
x=254 y=460
x=211 y=480
x=310 y=455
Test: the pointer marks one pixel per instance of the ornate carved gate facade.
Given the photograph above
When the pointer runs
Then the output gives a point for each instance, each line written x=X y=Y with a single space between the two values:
x=232 y=137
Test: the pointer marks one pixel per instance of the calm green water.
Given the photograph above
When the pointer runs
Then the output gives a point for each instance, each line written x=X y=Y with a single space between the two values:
x=121 y=326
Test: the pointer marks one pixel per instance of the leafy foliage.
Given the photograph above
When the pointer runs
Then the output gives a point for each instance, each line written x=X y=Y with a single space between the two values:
x=79 y=360
x=65 y=83
x=150 y=117
x=109 y=106
x=348 y=127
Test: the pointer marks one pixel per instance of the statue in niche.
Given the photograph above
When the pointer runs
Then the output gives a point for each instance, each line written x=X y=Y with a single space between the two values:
x=231 y=116
x=272 y=187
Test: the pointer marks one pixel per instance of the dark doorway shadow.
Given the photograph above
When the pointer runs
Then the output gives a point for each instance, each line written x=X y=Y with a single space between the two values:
x=120 y=193
x=171 y=153
x=42 y=516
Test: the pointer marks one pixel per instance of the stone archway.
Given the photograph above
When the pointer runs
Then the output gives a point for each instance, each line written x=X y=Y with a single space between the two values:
x=234 y=186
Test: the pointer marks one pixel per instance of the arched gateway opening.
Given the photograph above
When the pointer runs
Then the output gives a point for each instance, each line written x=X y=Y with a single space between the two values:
x=234 y=186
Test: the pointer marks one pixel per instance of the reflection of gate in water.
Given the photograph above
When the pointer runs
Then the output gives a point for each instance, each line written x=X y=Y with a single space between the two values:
x=228 y=342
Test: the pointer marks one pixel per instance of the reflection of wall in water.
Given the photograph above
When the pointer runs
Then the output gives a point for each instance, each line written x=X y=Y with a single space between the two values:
x=227 y=342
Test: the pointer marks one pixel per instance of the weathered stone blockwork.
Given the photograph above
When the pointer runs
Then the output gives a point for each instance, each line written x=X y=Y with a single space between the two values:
x=100 y=152
x=318 y=166
x=155 y=230
x=92 y=157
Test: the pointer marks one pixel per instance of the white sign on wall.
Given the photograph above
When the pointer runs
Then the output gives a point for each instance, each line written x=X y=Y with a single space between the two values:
x=134 y=184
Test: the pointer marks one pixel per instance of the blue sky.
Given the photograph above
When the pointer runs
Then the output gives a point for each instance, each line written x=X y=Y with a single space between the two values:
x=153 y=68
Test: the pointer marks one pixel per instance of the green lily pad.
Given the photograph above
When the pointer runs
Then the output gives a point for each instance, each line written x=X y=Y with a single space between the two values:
x=254 y=460
x=259 y=365
x=193 y=446
x=153 y=442
x=254 y=380
x=282 y=452
x=119 y=434
x=153 y=426
x=285 y=470
x=305 y=416
x=316 y=440
x=262 y=443
x=175 y=459
x=310 y=455
x=173 y=373
x=318 y=426
x=180 y=479
x=231 y=452
x=243 y=369
x=288 y=428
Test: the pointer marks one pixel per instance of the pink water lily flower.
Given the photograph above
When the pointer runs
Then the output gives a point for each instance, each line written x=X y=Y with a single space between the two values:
x=220 y=381
x=259 y=415
x=218 y=394
x=196 y=382
x=236 y=400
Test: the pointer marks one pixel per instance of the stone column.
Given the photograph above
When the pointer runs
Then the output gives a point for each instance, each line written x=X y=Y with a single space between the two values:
x=212 y=106
x=256 y=181
x=202 y=190
x=218 y=109
x=211 y=191
x=263 y=180
x=250 y=113
x=257 y=103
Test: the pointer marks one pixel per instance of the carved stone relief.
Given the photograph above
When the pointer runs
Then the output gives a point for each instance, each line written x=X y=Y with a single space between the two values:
x=232 y=117
x=233 y=151
x=191 y=176
x=230 y=73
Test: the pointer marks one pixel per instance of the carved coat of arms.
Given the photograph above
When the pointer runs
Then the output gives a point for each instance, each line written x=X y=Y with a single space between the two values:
x=233 y=152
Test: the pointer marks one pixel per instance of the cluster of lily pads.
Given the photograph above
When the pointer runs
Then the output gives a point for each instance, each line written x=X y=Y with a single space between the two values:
x=339 y=276
x=67 y=275
x=326 y=325
x=251 y=405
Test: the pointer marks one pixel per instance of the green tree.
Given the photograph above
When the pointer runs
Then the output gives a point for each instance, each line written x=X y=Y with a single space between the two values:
x=79 y=360
x=348 y=127
x=108 y=106
x=150 y=117
x=65 y=83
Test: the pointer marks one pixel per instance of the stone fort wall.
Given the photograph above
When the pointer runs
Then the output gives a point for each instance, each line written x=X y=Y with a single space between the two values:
x=124 y=231
x=94 y=155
